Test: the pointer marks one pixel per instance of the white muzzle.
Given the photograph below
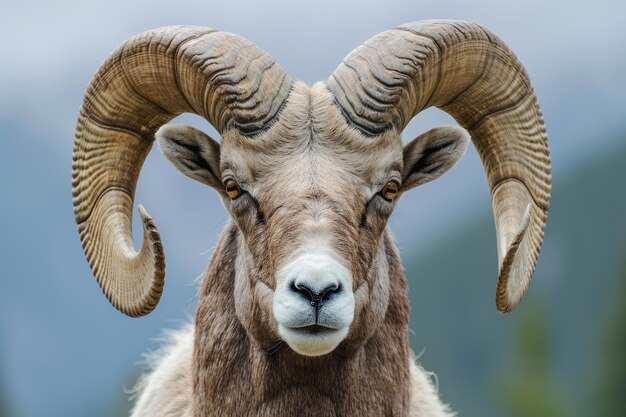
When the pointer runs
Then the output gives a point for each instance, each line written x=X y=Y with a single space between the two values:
x=313 y=304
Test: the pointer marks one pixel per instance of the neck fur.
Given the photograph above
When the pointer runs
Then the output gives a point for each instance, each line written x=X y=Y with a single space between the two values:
x=234 y=375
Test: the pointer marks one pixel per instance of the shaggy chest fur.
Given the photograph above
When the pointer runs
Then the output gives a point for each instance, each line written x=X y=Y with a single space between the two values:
x=234 y=375
x=273 y=386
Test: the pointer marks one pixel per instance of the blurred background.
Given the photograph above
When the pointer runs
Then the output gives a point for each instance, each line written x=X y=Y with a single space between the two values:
x=64 y=351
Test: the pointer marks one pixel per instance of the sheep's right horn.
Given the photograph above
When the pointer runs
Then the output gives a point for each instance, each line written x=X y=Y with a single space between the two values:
x=468 y=72
x=146 y=82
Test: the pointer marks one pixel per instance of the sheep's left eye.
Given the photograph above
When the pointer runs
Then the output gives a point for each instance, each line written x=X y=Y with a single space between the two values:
x=233 y=189
x=390 y=190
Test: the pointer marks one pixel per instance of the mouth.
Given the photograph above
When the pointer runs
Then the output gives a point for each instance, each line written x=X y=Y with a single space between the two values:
x=313 y=340
x=314 y=330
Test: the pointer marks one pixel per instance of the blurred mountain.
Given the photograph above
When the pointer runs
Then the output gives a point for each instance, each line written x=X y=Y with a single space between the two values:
x=452 y=287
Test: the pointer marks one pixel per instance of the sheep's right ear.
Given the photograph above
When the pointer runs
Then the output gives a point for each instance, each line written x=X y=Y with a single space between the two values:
x=192 y=152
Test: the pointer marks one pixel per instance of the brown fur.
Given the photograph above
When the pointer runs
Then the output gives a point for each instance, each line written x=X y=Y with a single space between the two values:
x=293 y=193
x=355 y=379
x=309 y=177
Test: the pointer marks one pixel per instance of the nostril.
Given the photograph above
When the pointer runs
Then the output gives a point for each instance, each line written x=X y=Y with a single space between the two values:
x=303 y=289
x=327 y=292
x=315 y=297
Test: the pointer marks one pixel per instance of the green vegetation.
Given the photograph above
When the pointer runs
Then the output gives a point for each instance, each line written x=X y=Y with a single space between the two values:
x=4 y=409
x=4 y=406
x=609 y=395
x=530 y=390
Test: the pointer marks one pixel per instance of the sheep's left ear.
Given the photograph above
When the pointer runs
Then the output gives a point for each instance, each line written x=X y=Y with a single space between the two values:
x=192 y=152
x=431 y=154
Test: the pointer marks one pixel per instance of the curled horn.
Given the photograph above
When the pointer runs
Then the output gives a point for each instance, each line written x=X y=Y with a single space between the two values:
x=147 y=81
x=471 y=74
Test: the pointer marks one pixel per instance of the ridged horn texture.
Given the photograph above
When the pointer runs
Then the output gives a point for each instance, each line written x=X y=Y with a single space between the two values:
x=147 y=81
x=471 y=74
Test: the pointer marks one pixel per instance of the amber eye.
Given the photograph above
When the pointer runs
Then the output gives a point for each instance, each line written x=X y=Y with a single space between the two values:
x=390 y=190
x=232 y=189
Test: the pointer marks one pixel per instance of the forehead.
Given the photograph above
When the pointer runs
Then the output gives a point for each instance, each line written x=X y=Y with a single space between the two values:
x=311 y=139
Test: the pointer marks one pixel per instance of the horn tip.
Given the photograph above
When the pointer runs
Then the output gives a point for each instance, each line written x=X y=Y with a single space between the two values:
x=150 y=259
x=516 y=268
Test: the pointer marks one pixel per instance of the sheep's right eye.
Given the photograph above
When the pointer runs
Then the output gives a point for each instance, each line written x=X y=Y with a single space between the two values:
x=390 y=190
x=233 y=189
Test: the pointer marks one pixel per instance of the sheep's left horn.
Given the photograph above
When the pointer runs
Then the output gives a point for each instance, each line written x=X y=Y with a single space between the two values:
x=468 y=72
x=146 y=82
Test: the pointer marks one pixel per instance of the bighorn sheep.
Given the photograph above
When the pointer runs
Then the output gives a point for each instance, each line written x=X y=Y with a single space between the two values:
x=303 y=310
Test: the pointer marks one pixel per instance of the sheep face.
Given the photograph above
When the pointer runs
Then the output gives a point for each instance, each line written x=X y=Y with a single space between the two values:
x=311 y=198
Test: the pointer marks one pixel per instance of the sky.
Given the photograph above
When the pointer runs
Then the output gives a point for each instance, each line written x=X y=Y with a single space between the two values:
x=568 y=47
x=574 y=53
